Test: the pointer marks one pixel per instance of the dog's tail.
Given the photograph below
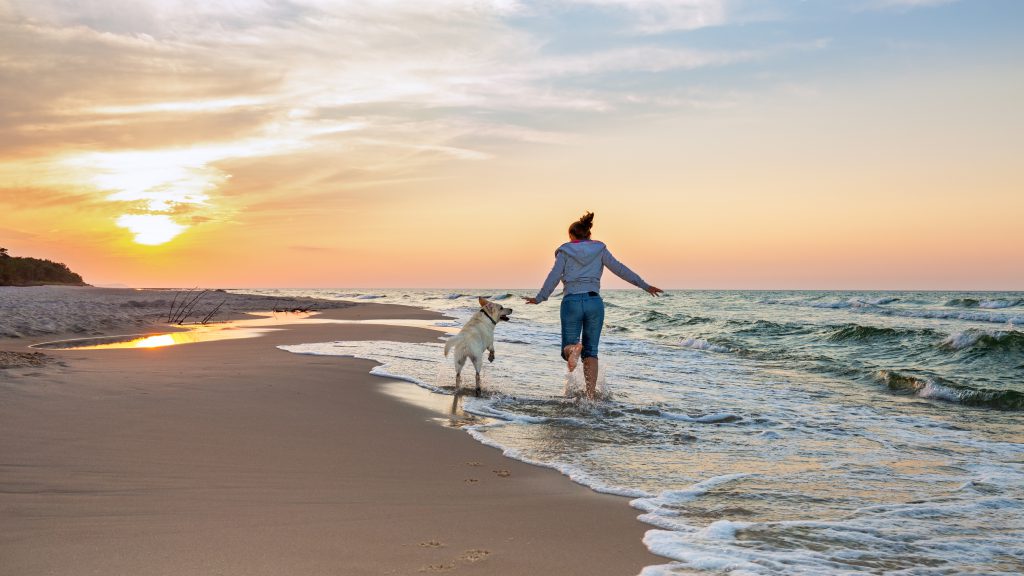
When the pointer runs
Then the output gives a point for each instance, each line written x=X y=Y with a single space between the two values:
x=449 y=344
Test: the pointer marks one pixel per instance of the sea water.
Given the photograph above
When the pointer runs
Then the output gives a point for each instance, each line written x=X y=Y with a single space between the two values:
x=765 y=432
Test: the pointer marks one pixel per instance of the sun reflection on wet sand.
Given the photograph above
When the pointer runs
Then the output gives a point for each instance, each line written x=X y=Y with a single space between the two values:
x=232 y=330
x=154 y=341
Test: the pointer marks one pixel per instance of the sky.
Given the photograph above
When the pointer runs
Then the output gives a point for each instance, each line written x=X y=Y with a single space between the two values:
x=722 y=144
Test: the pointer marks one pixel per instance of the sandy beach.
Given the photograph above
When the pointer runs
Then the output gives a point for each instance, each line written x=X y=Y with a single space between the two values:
x=234 y=457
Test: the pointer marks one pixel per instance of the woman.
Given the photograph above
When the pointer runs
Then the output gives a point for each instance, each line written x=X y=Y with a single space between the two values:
x=578 y=265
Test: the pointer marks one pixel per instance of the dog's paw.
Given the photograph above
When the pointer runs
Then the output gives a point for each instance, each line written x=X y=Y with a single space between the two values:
x=490 y=357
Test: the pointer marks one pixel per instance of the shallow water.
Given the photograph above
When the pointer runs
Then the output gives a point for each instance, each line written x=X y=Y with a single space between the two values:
x=768 y=432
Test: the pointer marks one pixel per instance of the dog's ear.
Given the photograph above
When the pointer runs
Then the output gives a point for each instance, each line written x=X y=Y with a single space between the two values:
x=483 y=302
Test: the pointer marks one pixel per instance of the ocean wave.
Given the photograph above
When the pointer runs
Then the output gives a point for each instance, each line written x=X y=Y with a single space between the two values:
x=818 y=303
x=860 y=333
x=963 y=303
x=853 y=302
x=702 y=344
x=939 y=535
x=932 y=314
x=655 y=318
x=998 y=303
x=994 y=303
x=938 y=389
x=663 y=509
x=884 y=300
x=985 y=339
x=768 y=328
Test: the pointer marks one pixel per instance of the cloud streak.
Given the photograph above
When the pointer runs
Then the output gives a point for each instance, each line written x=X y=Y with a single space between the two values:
x=155 y=105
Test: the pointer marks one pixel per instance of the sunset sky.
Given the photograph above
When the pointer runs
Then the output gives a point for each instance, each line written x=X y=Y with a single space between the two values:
x=753 y=144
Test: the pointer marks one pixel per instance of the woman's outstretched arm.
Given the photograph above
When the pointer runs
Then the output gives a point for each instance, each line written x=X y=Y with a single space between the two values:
x=552 y=280
x=622 y=271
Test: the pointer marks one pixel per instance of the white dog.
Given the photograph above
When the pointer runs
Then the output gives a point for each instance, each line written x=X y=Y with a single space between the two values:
x=475 y=337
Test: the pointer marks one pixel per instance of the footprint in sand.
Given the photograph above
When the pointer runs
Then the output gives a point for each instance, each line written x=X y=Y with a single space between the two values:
x=470 y=480
x=472 y=464
x=502 y=473
x=474 y=555
x=438 y=567
x=431 y=544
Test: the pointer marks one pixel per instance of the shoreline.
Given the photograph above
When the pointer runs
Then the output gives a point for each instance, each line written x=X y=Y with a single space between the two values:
x=237 y=457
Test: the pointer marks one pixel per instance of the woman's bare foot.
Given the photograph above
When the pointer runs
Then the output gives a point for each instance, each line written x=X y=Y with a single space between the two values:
x=572 y=355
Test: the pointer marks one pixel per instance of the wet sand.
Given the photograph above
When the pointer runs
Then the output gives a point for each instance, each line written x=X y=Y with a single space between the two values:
x=233 y=457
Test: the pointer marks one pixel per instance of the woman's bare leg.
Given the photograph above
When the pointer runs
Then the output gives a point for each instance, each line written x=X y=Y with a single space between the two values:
x=590 y=375
x=572 y=355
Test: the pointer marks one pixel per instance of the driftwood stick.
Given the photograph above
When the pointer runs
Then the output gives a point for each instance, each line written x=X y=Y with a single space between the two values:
x=173 y=303
x=187 y=310
x=175 y=317
x=208 y=317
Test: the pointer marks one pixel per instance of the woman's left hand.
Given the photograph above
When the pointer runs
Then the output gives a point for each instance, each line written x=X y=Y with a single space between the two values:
x=654 y=290
x=530 y=300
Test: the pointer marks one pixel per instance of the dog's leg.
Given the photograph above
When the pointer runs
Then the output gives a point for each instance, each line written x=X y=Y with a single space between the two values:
x=490 y=355
x=478 y=365
x=458 y=374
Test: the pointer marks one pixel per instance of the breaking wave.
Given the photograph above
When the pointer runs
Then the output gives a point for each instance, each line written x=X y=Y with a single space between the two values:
x=994 y=303
x=989 y=340
x=702 y=344
x=938 y=389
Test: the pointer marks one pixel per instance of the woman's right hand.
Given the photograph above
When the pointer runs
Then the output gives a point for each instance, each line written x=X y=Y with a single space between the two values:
x=654 y=290
x=530 y=300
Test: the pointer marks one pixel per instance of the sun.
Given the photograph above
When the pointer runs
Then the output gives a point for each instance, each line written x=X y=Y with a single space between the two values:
x=151 y=229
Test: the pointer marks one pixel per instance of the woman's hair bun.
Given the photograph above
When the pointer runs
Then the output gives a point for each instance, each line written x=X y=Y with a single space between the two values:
x=581 y=228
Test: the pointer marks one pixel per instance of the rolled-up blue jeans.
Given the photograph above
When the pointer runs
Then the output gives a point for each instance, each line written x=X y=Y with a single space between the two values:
x=582 y=314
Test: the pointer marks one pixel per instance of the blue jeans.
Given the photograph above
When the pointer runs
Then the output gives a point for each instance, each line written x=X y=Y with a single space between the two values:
x=582 y=313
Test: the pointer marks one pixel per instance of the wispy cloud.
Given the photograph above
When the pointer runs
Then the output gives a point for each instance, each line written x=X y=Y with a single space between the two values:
x=899 y=4
x=659 y=16
x=158 y=105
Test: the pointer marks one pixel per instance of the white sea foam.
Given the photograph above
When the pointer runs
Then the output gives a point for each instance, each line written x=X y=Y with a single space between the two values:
x=968 y=338
x=574 y=473
x=664 y=504
x=998 y=303
x=702 y=344
x=901 y=537
x=883 y=301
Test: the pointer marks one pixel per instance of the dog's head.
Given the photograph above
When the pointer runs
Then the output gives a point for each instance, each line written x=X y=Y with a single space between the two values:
x=495 y=310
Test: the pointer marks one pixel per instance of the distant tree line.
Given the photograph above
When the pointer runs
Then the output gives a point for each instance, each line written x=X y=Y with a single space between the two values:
x=16 y=271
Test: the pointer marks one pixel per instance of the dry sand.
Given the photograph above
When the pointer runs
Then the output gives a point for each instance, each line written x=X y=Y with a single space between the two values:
x=233 y=457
